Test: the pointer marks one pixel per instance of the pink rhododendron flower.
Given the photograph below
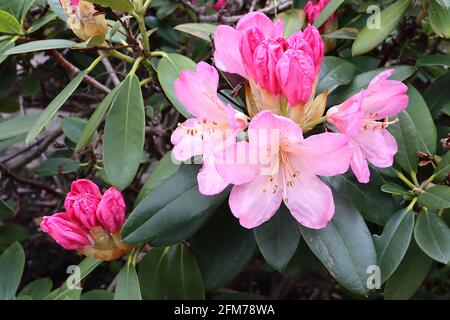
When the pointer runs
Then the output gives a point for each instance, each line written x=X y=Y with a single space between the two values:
x=314 y=8
x=82 y=201
x=83 y=19
x=220 y=4
x=274 y=66
x=278 y=164
x=215 y=125
x=111 y=210
x=92 y=222
x=358 y=118
x=67 y=233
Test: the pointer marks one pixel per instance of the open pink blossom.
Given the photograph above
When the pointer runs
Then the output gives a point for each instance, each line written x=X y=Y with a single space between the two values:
x=278 y=164
x=273 y=65
x=67 y=233
x=358 y=117
x=215 y=124
x=82 y=201
x=314 y=8
x=111 y=210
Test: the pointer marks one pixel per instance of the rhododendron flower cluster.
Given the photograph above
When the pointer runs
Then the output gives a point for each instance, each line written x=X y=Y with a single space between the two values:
x=91 y=223
x=83 y=19
x=274 y=162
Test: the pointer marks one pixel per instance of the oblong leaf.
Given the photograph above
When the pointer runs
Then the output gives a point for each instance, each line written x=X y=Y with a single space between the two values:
x=433 y=236
x=168 y=71
x=334 y=72
x=38 y=289
x=17 y=126
x=117 y=5
x=41 y=45
x=223 y=249
x=389 y=18
x=172 y=212
x=48 y=114
x=152 y=274
x=345 y=247
x=124 y=136
x=409 y=275
x=293 y=21
x=439 y=16
x=127 y=287
x=278 y=238
x=9 y=23
x=392 y=244
x=436 y=197
x=329 y=9
x=184 y=280
x=12 y=262
x=199 y=30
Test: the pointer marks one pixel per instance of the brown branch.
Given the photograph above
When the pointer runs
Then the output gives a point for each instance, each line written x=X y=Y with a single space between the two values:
x=8 y=173
x=38 y=151
x=72 y=70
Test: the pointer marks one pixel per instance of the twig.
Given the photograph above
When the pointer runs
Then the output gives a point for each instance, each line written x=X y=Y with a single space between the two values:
x=112 y=73
x=8 y=173
x=74 y=71
x=38 y=151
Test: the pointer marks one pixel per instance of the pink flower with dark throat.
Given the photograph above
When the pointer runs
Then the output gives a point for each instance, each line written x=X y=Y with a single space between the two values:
x=278 y=164
x=359 y=118
x=215 y=125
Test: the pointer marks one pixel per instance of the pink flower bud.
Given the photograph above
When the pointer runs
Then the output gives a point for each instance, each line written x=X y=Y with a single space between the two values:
x=312 y=36
x=111 y=210
x=250 y=40
x=295 y=72
x=66 y=232
x=82 y=201
x=220 y=4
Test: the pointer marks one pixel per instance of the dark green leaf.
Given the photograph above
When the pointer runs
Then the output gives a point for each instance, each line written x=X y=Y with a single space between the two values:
x=117 y=5
x=278 y=238
x=436 y=197
x=395 y=189
x=163 y=171
x=330 y=8
x=12 y=262
x=439 y=16
x=73 y=127
x=153 y=274
x=55 y=166
x=124 y=134
x=437 y=95
x=168 y=71
x=409 y=275
x=97 y=295
x=172 y=212
x=335 y=72
x=433 y=60
x=5 y=210
x=345 y=247
x=127 y=287
x=392 y=244
x=184 y=280
x=41 y=45
x=433 y=236
x=223 y=249
x=96 y=119
x=408 y=142
x=443 y=168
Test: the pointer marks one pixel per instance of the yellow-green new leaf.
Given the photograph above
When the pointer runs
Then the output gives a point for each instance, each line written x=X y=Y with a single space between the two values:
x=9 y=23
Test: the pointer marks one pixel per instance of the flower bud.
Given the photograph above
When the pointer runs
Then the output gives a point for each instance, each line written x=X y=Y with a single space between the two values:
x=312 y=36
x=66 y=232
x=111 y=210
x=250 y=40
x=83 y=19
x=296 y=75
x=82 y=201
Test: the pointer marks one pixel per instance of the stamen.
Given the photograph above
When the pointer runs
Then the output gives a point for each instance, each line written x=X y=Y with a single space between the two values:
x=374 y=124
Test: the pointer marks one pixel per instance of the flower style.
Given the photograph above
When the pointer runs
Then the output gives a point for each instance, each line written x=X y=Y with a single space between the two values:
x=278 y=164
x=215 y=125
x=83 y=19
x=277 y=69
x=358 y=118
x=92 y=222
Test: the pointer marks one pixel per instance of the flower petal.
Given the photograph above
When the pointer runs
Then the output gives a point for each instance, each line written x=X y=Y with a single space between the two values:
x=310 y=200
x=378 y=146
x=263 y=23
x=227 y=55
x=251 y=205
x=197 y=91
x=209 y=181
x=359 y=165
